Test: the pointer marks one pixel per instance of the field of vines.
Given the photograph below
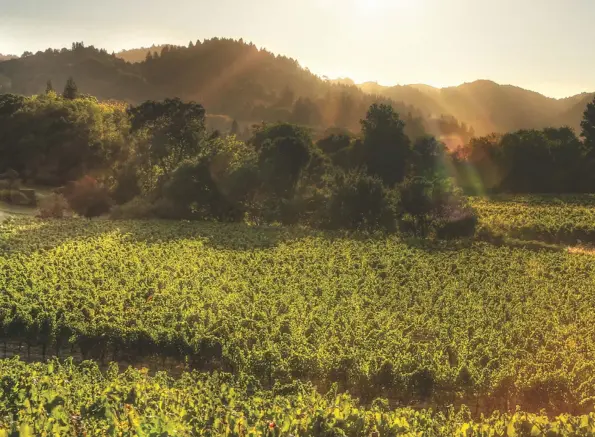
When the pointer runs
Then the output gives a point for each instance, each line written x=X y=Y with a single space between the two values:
x=421 y=325
x=552 y=219
x=64 y=399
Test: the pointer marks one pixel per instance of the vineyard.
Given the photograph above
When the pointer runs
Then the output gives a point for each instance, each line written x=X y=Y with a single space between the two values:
x=552 y=219
x=419 y=324
x=66 y=399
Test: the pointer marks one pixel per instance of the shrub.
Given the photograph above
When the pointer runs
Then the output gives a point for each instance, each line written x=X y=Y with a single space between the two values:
x=436 y=206
x=137 y=208
x=195 y=194
x=165 y=209
x=284 y=154
x=416 y=205
x=88 y=198
x=455 y=218
x=127 y=186
x=53 y=206
x=362 y=202
x=141 y=207
x=456 y=222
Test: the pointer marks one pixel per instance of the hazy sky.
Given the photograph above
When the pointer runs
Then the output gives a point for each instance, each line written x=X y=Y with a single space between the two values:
x=544 y=45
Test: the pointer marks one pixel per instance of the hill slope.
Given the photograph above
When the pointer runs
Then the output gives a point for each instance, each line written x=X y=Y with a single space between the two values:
x=6 y=57
x=228 y=77
x=242 y=82
x=575 y=108
x=488 y=106
x=95 y=71
x=139 y=55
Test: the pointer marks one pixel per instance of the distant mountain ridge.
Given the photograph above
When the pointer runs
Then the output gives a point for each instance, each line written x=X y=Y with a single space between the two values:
x=488 y=106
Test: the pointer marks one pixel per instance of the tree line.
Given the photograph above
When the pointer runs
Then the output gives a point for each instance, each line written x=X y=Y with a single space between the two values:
x=159 y=159
x=551 y=160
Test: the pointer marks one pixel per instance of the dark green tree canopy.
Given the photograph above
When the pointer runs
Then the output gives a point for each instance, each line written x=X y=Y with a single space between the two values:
x=175 y=131
x=588 y=127
x=10 y=104
x=283 y=157
x=334 y=141
x=235 y=128
x=49 y=87
x=71 y=91
x=263 y=132
x=527 y=161
x=195 y=191
x=386 y=148
x=360 y=201
x=55 y=140
x=428 y=157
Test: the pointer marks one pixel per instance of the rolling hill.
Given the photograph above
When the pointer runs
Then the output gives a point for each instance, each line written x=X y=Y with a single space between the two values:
x=575 y=107
x=228 y=77
x=237 y=80
x=6 y=57
x=488 y=106
x=139 y=55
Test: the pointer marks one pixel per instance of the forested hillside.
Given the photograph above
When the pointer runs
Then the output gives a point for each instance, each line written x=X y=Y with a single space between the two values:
x=228 y=77
x=488 y=106
x=575 y=107
x=140 y=54
x=97 y=72
x=239 y=81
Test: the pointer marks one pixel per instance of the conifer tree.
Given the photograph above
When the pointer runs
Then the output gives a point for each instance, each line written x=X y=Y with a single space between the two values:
x=588 y=127
x=235 y=128
x=71 y=91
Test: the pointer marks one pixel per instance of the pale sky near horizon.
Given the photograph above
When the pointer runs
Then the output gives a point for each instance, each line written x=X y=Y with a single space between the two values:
x=542 y=45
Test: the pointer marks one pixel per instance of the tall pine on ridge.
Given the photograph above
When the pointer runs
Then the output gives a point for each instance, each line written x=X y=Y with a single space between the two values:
x=71 y=91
